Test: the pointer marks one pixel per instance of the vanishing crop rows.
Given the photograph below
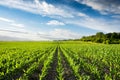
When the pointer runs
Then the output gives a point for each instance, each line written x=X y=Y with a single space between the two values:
x=60 y=62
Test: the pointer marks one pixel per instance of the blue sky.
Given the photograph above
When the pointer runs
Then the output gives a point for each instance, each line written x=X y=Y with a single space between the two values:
x=57 y=19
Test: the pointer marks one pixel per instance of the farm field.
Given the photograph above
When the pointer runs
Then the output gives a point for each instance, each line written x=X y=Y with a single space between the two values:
x=70 y=60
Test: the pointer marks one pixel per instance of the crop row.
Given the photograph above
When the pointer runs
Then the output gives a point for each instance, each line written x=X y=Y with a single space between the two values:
x=20 y=62
x=93 y=62
x=61 y=62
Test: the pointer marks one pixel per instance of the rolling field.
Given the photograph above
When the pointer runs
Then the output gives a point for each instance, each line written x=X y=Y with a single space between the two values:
x=59 y=61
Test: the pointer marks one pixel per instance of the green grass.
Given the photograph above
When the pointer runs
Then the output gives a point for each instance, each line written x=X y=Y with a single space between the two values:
x=34 y=60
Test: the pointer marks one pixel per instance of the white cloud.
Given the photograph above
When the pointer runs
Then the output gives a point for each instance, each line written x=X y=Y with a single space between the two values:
x=64 y=34
x=105 y=7
x=17 y=25
x=21 y=35
x=55 y=23
x=49 y=9
x=67 y=16
x=37 y=7
x=11 y=22
x=97 y=24
x=6 y=20
x=55 y=34
x=82 y=14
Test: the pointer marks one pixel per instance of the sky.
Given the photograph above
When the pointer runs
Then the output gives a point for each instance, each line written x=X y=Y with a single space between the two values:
x=57 y=19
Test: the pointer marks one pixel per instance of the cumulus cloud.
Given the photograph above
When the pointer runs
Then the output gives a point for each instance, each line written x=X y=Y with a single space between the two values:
x=20 y=35
x=49 y=9
x=8 y=38
x=66 y=16
x=36 y=7
x=64 y=34
x=97 y=24
x=5 y=20
x=55 y=34
x=104 y=6
x=82 y=15
x=17 y=25
x=14 y=31
x=12 y=22
x=55 y=23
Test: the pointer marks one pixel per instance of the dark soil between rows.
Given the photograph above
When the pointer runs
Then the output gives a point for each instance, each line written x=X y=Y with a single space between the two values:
x=68 y=72
x=52 y=72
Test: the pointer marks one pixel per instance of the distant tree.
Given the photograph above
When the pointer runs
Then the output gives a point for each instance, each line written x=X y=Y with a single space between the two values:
x=99 y=34
x=99 y=40
x=114 y=36
x=100 y=37
x=108 y=35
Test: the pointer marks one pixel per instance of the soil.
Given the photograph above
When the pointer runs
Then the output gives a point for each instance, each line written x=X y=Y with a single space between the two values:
x=52 y=72
x=68 y=72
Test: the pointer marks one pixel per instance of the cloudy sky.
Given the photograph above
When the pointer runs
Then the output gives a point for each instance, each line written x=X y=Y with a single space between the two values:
x=57 y=19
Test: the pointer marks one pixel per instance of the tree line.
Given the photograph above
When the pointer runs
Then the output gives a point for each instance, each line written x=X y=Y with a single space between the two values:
x=100 y=37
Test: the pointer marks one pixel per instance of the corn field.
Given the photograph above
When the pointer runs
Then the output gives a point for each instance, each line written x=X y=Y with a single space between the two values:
x=59 y=61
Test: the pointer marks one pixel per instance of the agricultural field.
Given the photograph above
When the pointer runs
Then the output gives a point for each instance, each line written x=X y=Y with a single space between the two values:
x=71 y=60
